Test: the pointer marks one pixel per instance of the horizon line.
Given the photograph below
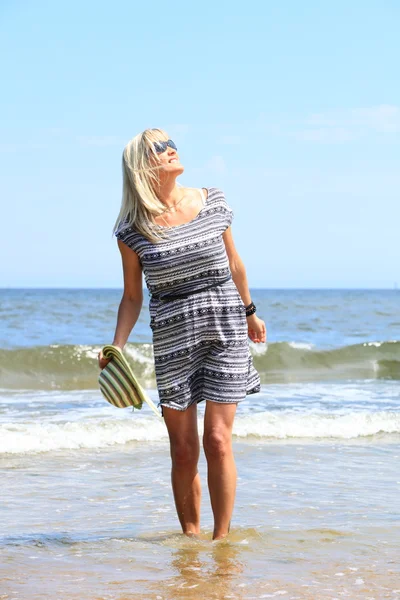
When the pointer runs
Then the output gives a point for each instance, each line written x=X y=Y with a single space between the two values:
x=394 y=288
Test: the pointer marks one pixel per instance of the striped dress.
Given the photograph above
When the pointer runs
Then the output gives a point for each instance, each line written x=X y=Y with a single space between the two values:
x=201 y=346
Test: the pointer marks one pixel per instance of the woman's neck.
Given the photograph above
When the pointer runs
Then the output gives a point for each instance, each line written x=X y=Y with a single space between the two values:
x=170 y=194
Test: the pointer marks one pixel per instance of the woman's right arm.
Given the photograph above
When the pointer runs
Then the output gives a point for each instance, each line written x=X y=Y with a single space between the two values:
x=132 y=299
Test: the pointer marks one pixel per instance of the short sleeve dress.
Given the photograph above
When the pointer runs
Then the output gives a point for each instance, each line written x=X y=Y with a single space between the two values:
x=200 y=341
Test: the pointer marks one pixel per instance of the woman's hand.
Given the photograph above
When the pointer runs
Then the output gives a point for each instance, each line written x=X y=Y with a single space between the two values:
x=257 y=329
x=103 y=361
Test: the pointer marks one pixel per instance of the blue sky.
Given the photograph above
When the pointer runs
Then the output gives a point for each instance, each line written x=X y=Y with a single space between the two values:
x=292 y=108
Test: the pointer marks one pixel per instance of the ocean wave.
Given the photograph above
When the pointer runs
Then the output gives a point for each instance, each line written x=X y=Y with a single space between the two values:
x=69 y=367
x=18 y=438
x=318 y=426
x=295 y=362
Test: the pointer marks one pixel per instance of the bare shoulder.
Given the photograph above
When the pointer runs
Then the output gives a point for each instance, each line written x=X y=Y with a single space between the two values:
x=193 y=193
x=132 y=270
x=129 y=256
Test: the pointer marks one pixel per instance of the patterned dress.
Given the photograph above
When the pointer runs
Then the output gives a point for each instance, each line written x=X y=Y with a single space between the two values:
x=201 y=346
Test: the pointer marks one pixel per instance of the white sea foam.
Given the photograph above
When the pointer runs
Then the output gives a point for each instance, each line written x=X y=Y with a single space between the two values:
x=300 y=345
x=144 y=356
x=43 y=437
x=91 y=352
x=323 y=425
x=138 y=356
x=101 y=432
x=258 y=349
x=379 y=344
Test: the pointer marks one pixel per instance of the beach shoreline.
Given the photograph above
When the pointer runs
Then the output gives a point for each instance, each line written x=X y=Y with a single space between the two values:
x=309 y=522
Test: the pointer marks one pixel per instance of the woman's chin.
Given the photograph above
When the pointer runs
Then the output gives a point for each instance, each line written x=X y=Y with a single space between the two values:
x=176 y=169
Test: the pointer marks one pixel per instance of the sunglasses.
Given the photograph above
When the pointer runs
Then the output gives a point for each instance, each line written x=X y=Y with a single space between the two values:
x=160 y=147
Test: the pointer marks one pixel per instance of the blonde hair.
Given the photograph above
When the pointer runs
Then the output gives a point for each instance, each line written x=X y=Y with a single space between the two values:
x=140 y=179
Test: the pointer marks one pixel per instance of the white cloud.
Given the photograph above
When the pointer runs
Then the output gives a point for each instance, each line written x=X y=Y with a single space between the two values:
x=344 y=125
x=384 y=118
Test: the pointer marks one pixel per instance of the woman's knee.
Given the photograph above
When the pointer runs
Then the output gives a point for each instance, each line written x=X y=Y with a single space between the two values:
x=217 y=443
x=184 y=453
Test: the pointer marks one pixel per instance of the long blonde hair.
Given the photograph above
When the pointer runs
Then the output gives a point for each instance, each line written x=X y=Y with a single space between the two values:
x=140 y=179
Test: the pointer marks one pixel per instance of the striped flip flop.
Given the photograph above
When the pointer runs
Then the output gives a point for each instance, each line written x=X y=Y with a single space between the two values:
x=119 y=385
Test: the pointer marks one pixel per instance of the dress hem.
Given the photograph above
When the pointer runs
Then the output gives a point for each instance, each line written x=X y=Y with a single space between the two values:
x=174 y=407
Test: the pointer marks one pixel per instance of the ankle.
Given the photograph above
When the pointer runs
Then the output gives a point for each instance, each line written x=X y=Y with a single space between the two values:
x=192 y=533
x=219 y=536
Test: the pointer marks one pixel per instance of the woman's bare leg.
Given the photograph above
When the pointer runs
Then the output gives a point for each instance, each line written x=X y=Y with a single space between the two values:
x=217 y=441
x=184 y=445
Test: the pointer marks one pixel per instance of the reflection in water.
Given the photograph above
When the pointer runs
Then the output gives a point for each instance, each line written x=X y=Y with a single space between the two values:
x=208 y=570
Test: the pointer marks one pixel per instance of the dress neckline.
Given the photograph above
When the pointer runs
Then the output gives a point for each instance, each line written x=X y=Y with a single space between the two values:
x=191 y=220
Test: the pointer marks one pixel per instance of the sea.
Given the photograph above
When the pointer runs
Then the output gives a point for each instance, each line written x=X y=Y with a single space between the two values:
x=87 y=510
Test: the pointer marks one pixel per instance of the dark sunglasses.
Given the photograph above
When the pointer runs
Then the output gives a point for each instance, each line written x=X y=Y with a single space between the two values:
x=160 y=147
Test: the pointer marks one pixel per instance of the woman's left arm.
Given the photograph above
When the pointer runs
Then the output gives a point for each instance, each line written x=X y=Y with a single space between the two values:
x=256 y=327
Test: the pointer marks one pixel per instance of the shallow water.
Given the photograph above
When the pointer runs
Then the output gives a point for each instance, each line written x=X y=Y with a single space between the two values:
x=87 y=510
x=309 y=521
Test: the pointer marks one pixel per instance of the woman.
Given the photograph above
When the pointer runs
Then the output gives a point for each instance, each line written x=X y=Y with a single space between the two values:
x=181 y=239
